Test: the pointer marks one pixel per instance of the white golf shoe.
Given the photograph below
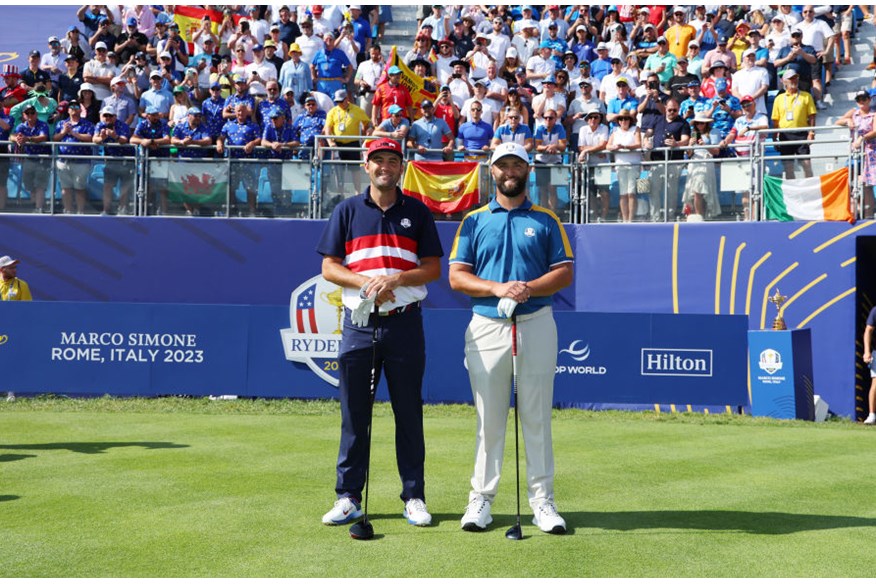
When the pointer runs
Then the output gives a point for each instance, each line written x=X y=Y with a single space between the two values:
x=477 y=514
x=546 y=518
x=871 y=419
x=344 y=511
x=416 y=513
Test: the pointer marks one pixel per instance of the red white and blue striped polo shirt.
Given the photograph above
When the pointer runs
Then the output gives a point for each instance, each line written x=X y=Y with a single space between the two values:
x=374 y=242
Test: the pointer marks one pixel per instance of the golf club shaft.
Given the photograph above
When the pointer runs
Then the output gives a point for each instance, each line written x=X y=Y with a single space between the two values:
x=516 y=431
x=373 y=391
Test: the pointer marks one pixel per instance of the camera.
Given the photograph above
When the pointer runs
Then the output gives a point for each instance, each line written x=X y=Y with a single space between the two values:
x=456 y=75
x=653 y=85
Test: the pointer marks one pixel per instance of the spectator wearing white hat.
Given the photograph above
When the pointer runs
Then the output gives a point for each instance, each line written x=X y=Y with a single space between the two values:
x=499 y=42
x=53 y=61
x=122 y=104
x=12 y=288
x=99 y=72
x=526 y=41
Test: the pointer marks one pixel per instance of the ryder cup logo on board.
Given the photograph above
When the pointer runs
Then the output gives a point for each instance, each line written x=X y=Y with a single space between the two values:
x=770 y=361
x=316 y=318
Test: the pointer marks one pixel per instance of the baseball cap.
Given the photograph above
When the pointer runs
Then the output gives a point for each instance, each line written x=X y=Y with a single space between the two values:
x=694 y=83
x=394 y=109
x=661 y=40
x=622 y=80
x=69 y=57
x=722 y=40
x=276 y=113
x=550 y=79
x=309 y=98
x=746 y=99
x=117 y=80
x=602 y=47
x=520 y=71
x=268 y=43
x=747 y=52
x=789 y=74
x=106 y=110
x=258 y=48
x=427 y=103
x=340 y=95
x=165 y=55
x=193 y=111
x=394 y=70
x=286 y=90
x=682 y=59
x=132 y=21
x=721 y=84
x=384 y=145
x=53 y=39
x=7 y=261
x=155 y=74
x=36 y=53
x=509 y=149
x=99 y=45
x=150 y=110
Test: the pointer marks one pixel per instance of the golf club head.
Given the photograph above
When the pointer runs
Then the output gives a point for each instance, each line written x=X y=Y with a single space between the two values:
x=514 y=532
x=362 y=530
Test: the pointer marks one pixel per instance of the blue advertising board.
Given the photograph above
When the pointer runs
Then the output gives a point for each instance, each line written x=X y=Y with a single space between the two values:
x=277 y=351
x=781 y=374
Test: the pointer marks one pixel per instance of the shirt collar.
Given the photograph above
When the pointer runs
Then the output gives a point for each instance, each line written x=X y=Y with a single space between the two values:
x=495 y=206
x=399 y=199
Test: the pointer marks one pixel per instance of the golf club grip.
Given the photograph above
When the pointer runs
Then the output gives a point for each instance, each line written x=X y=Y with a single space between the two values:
x=513 y=335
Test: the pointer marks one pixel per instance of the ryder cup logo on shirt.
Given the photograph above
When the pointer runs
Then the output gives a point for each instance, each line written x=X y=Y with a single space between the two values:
x=316 y=318
x=406 y=223
x=529 y=232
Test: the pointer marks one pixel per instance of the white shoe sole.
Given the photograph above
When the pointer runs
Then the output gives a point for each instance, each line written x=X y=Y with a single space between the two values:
x=348 y=519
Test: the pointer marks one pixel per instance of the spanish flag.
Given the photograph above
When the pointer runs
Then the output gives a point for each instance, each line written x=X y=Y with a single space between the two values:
x=189 y=20
x=445 y=187
x=819 y=198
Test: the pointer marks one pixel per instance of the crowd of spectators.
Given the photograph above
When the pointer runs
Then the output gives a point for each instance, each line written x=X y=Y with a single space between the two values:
x=621 y=83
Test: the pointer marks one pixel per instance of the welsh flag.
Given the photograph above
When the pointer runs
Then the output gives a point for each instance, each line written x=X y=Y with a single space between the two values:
x=445 y=187
x=820 y=198
x=197 y=182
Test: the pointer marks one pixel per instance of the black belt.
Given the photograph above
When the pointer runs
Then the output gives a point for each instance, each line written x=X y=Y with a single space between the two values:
x=402 y=309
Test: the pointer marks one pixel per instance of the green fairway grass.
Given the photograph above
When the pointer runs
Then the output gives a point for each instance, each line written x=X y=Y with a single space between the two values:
x=185 y=488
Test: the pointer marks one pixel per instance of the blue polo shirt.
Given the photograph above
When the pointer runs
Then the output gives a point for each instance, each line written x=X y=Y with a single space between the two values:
x=146 y=130
x=212 y=112
x=285 y=134
x=519 y=136
x=374 y=242
x=504 y=246
x=474 y=136
x=122 y=129
x=39 y=129
x=199 y=132
x=429 y=133
x=237 y=134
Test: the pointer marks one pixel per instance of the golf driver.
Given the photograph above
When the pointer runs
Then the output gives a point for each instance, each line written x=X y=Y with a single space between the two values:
x=363 y=529
x=515 y=532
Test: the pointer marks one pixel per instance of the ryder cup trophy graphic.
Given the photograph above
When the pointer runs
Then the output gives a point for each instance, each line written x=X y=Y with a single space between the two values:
x=779 y=321
x=335 y=298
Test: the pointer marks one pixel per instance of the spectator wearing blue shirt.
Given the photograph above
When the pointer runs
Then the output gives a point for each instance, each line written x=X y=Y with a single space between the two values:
x=156 y=96
x=427 y=133
x=550 y=144
x=396 y=126
x=240 y=96
x=601 y=66
x=279 y=137
x=211 y=110
x=73 y=173
x=192 y=132
x=110 y=130
x=295 y=73
x=307 y=126
x=269 y=104
x=246 y=134
x=724 y=108
x=122 y=103
x=330 y=67
x=29 y=136
x=695 y=103
x=624 y=100
x=583 y=45
x=362 y=32
x=557 y=45
x=514 y=131
x=475 y=134
x=152 y=135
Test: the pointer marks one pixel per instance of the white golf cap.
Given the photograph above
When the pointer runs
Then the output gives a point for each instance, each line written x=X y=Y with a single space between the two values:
x=509 y=149
x=7 y=261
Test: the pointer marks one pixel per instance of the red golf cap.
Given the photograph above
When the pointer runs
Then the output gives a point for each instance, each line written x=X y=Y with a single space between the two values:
x=384 y=145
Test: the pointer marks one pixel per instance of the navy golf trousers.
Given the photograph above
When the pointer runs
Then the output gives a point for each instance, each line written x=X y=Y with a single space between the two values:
x=401 y=357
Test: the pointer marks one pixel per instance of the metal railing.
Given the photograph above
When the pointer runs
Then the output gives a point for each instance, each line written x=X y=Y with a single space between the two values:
x=578 y=190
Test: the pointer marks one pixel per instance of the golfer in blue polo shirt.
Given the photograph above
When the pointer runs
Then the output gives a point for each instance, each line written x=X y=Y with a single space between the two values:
x=382 y=248
x=511 y=257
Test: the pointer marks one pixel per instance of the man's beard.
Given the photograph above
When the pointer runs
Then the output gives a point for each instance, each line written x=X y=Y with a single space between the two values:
x=516 y=187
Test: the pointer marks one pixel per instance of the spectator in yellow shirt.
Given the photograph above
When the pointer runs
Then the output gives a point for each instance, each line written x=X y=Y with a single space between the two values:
x=794 y=109
x=346 y=121
x=11 y=288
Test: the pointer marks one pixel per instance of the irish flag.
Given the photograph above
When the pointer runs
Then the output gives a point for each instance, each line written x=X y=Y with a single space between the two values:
x=820 y=198
x=445 y=187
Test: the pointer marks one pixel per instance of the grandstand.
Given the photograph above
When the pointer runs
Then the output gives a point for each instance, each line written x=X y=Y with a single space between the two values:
x=313 y=182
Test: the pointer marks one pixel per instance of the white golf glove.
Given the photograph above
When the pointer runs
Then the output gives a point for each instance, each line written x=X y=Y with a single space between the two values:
x=506 y=307
x=359 y=316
